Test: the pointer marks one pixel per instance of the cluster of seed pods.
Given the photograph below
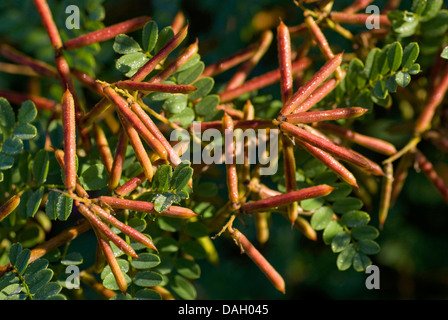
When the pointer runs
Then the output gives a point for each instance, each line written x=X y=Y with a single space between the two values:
x=299 y=127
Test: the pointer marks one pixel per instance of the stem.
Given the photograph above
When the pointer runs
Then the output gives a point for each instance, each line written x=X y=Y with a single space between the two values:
x=386 y=193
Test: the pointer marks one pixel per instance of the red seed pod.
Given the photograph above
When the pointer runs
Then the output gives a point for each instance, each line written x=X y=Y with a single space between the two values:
x=117 y=165
x=427 y=168
x=304 y=91
x=286 y=198
x=40 y=102
x=113 y=264
x=155 y=87
x=262 y=81
x=319 y=37
x=103 y=228
x=131 y=232
x=284 y=58
x=232 y=176
x=334 y=114
x=103 y=147
x=255 y=255
x=149 y=66
x=243 y=72
x=47 y=19
x=143 y=206
x=106 y=33
x=69 y=127
x=371 y=143
x=321 y=92
x=333 y=149
x=358 y=18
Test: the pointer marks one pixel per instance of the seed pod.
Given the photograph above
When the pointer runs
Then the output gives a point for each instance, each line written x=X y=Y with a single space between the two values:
x=248 y=248
x=103 y=147
x=304 y=91
x=331 y=148
x=334 y=114
x=149 y=66
x=305 y=228
x=284 y=58
x=242 y=73
x=319 y=37
x=143 y=206
x=114 y=266
x=69 y=127
x=371 y=143
x=183 y=58
x=8 y=207
x=155 y=87
x=59 y=155
x=386 y=192
x=102 y=227
x=358 y=18
x=321 y=92
x=48 y=22
x=119 y=157
x=262 y=81
x=286 y=198
x=130 y=185
x=106 y=33
x=229 y=62
x=331 y=163
x=232 y=176
x=139 y=148
x=131 y=232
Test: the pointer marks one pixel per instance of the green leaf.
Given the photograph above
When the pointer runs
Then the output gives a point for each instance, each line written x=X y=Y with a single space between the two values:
x=36 y=266
x=150 y=35
x=183 y=288
x=58 y=206
x=94 y=177
x=312 y=204
x=368 y=246
x=25 y=131
x=414 y=69
x=340 y=241
x=435 y=28
x=355 y=218
x=191 y=74
x=110 y=283
x=33 y=202
x=203 y=87
x=444 y=53
x=380 y=90
x=39 y=279
x=431 y=9
x=364 y=233
x=188 y=268
x=165 y=200
x=124 y=44
x=184 y=118
x=148 y=279
x=331 y=230
x=176 y=103
x=181 y=178
x=41 y=164
x=361 y=262
x=27 y=112
x=193 y=61
x=321 y=218
x=72 y=259
x=162 y=178
x=371 y=65
x=165 y=35
x=383 y=61
x=147 y=294
x=12 y=145
x=345 y=258
x=410 y=55
x=166 y=245
x=391 y=84
x=347 y=204
x=7 y=115
x=207 y=105
x=402 y=78
x=6 y=161
x=146 y=261
x=14 y=252
x=130 y=63
x=403 y=23
x=47 y=291
x=19 y=257
x=395 y=56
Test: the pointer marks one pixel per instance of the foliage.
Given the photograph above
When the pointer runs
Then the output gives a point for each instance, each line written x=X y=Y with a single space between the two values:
x=161 y=224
